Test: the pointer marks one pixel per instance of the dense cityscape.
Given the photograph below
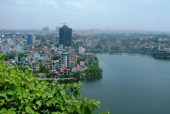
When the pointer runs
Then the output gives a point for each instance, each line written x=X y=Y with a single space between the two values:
x=67 y=55
x=63 y=51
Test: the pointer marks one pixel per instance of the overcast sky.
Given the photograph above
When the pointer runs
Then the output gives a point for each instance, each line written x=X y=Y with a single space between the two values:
x=151 y=15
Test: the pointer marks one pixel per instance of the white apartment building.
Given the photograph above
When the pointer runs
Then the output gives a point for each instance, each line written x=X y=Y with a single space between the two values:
x=65 y=59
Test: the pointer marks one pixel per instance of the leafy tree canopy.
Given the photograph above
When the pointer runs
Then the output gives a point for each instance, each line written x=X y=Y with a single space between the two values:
x=9 y=56
x=82 y=58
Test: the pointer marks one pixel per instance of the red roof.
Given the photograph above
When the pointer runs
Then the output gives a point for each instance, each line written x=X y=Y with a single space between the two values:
x=64 y=69
x=77 y=68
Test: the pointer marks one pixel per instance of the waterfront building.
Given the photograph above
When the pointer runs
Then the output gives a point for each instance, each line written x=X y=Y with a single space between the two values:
x=89 y=58
x=65 y=36
x=65 y=59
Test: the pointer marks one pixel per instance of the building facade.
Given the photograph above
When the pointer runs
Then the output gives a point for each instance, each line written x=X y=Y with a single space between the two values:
x=57 y=28
x=30 y=39
x=65 y=36
x=65 y=59
x=82 y=50
x=46 y=29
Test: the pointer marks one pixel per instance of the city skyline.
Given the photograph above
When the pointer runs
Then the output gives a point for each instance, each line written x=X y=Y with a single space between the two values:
x=145 y=15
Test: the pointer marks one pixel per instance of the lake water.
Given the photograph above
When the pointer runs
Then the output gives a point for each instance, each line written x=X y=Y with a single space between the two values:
x=131 y=84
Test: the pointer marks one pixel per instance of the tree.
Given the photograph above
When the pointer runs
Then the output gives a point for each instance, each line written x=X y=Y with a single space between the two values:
x=9 y=56
x=20 y=56
x=22 y=92
x=55 y=57
x=46 y=70
x=82 y=58
x=42 y=68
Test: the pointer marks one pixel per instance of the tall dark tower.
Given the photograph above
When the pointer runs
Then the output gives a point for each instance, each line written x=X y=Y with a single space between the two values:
x=65 y=36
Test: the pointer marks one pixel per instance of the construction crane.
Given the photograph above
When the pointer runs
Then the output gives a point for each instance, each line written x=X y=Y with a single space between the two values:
x=67 y=23
x=63 y=23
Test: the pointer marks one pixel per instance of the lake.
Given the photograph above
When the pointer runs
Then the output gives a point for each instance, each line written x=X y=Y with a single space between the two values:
x=130 y=84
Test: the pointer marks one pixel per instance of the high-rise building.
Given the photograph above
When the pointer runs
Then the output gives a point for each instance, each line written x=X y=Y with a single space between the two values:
x=46 y=29
x=30 y=39
x=57 y=28
x=65 y=36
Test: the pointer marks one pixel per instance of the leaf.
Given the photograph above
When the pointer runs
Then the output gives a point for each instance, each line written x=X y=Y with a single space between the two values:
x=62 y=92
x=4 y=94
x=11 y=111
x=38 y=102
x=3 y=110
x=62 y=108
x=49 y=102
x=20 y=90
x=69 y=109
x=29 y=110
x=12 y=86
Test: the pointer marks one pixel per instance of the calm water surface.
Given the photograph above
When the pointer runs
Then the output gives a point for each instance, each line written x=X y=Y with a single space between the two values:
x=131 y=84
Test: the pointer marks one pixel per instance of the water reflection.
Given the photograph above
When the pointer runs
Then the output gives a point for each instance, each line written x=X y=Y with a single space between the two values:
x=85 y=79
x=92 y=79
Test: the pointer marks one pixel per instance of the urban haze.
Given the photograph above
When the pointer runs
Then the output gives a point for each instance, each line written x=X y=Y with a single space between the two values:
x=152 y=15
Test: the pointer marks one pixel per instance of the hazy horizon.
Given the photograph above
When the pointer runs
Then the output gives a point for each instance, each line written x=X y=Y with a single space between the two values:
x=128 y=15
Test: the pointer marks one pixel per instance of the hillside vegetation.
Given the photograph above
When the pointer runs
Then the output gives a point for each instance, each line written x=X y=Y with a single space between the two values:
x=22 y=92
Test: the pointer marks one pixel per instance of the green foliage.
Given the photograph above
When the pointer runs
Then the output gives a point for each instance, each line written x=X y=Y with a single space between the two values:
x=82 y=58
x=9 y=56
x=20 y=56
x=94 y=68
x=41 y=68
x=55 y=57
x=2 y=56
x=22 y=92
x=105 y=112
x=74 y=75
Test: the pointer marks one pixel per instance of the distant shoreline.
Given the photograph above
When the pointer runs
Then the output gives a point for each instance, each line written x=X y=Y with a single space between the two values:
x=153 y=54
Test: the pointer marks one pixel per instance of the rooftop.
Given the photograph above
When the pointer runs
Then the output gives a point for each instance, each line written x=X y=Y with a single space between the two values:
x=65 y=53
